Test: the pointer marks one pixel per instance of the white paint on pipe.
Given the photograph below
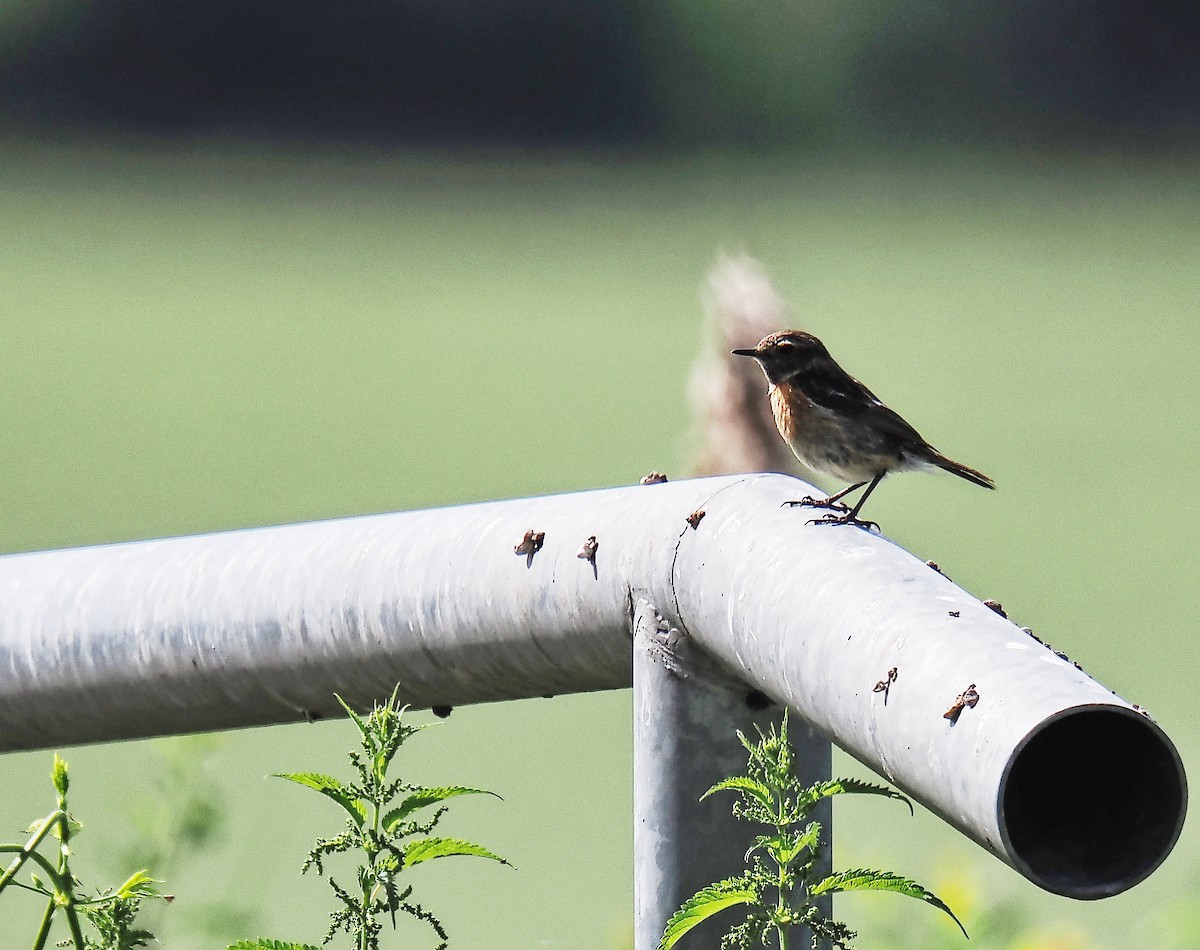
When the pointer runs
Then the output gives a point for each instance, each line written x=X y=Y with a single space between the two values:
x=251 y=627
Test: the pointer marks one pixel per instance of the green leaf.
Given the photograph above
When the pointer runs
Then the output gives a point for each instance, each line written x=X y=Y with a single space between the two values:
x=867 y=880
x=742 y=783
x=58 y=774
x=74 y=826
x=702 y=905
x=852 y=786
x=358 y=720
x=330 y=788
x=748 y=744
x=763 y=841
x=262 y=943
x=139 y=884
x=785 y=846
x=388 y=722
x=806 y=840
x=427 y=796
x=426 y=849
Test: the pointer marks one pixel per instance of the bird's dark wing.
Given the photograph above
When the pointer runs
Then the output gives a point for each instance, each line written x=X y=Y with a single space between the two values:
x=832 y=388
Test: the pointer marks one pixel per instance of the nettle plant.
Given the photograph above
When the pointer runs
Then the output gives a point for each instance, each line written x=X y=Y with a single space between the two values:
x=388 y=827
x=110 y=912
x=783 y=876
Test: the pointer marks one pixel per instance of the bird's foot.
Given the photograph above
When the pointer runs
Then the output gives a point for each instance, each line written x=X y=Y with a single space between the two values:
x=845 y=519
x=809 y=502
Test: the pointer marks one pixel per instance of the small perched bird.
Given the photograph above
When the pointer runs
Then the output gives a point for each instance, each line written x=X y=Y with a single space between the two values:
x=836 y=426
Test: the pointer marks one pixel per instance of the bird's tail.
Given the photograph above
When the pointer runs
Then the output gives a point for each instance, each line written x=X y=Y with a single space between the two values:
x=963 y=471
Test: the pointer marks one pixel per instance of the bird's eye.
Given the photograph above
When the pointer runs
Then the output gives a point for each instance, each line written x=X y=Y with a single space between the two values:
x=784 y=345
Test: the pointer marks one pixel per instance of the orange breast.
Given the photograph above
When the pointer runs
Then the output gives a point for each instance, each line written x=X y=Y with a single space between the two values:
x=830 y=442
x=793 y=415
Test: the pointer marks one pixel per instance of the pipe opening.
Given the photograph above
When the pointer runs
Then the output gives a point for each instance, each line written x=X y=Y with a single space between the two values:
x=1093 y=802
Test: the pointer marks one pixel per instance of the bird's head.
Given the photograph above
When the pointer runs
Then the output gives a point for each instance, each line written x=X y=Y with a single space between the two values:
x=786 y=353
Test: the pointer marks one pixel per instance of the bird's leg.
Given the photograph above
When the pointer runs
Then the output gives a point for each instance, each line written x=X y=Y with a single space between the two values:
x=851 y=517
x=831 y=502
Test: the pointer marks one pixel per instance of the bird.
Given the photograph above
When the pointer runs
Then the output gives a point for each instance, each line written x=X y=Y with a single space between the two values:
x=838 y=427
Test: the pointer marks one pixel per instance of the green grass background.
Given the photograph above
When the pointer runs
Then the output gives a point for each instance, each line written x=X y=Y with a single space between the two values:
x=218 y=336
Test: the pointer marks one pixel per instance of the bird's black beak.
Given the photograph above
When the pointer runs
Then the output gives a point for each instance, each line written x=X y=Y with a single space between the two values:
x=745 y=352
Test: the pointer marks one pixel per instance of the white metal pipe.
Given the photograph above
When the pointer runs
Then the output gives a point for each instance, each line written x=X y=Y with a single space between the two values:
x=259 y=626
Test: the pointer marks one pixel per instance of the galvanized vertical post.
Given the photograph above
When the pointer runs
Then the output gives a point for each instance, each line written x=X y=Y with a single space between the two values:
x=685 y=713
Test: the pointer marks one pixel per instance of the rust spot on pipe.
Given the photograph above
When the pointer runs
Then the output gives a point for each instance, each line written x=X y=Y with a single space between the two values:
x=587 y=552
x=530 y=545
x=885 y=684
x=933 y=566
x=695 y=518
x=967 y=699
x=653 y=478
x=995 y=605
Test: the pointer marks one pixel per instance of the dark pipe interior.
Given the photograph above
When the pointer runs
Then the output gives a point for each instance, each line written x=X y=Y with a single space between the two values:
x=1093 y=802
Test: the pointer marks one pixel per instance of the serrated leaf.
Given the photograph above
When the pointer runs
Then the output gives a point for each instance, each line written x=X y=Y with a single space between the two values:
x=866 y=880
x=263 y=944
x=331 y=788
x=699 y=907
x=427 y=849
x=743 y=783
x=852 y=786
x=423 y=797
x=358 y=720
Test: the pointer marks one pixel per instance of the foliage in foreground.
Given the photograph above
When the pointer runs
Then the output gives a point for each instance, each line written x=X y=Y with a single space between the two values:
x=388 y=826
x=110 y=912
x=783 y=877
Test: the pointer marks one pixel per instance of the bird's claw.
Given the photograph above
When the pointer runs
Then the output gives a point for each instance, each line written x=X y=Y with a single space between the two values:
x=846 y=519
x=809 y=502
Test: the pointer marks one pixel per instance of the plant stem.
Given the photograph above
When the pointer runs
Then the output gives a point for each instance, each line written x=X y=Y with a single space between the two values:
x=67 y=885
x=51 y=873
x=780 y=908
x=368 y=893
x=39 y=833
x=782 y=882
x=39 y=942
x=362 y=922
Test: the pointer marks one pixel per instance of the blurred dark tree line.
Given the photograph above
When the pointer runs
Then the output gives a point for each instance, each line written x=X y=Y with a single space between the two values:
x=763 y=72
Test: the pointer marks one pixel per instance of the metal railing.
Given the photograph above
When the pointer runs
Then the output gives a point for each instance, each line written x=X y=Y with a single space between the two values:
x=702 y=594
